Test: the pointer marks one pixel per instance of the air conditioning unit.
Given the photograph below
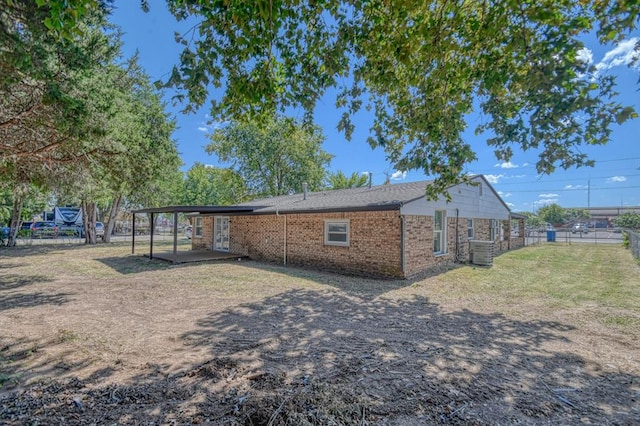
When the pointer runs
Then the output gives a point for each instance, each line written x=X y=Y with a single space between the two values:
x=481 y=252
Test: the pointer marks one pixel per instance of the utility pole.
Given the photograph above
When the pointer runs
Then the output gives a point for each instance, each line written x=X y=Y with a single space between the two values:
x=589 y=193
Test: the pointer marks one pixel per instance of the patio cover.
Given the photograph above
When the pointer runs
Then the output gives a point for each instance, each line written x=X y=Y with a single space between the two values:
x=180 y=209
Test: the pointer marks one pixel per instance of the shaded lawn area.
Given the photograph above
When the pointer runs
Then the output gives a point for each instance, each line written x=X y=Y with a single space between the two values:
x=549 y=334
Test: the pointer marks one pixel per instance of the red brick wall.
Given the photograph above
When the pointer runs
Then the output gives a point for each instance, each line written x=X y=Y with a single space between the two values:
x=206 y=241
x=374 y=248
x=375 y=241
x=419 y=254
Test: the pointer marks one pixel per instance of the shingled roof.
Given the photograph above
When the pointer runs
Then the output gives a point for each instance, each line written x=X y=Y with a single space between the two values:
x=382 y=197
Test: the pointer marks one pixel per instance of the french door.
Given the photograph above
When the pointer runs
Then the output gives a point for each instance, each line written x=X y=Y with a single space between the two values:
x=221 y=234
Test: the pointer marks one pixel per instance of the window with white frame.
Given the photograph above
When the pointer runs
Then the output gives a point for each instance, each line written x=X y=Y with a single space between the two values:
x=336 y=232
x=470 y=233
x=495 y=229
x=197 y=229
x=439 y=232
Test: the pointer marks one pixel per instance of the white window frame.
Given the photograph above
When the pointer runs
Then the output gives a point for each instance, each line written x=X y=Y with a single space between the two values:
x=470 y=231
x=197 y=228
x=328 y=241
x=442 y=232
x=495 y=231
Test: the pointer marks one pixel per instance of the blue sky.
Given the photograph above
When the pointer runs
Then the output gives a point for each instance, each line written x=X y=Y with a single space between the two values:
x=614 y=181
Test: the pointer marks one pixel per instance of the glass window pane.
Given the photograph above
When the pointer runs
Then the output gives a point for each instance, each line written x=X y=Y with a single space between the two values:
x=337 y=227
x=341 y=238
x=437 y=242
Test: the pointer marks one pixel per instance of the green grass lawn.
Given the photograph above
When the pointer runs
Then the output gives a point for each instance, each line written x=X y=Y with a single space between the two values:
x=549 y=278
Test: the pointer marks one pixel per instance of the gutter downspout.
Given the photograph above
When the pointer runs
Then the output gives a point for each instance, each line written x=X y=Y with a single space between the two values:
x=133 y=233
x=402 y=256
x=284 y=239
x=457 y=236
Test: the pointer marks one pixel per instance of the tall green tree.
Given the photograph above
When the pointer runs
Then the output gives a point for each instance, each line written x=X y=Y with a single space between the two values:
x=205 y=185
x=628 y=220
x=274 y=156
x=553 y=213
x=339 y=180
x=73 y=120
x=533 y=221
x=421 y=67
x=145 y=171
x=47 y=122
x=577 y=215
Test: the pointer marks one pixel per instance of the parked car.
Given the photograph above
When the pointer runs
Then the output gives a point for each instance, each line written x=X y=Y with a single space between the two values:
x=546 y=227
x=580 y=227
x=44 y=229
x=70 y=231
x=4 y=232
x=188 y=231
x=100 y=230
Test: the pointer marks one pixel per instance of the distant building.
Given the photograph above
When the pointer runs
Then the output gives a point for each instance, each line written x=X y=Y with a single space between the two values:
x=602 y=216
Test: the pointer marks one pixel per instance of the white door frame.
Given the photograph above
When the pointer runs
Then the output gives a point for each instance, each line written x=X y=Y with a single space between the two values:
x=221 y=233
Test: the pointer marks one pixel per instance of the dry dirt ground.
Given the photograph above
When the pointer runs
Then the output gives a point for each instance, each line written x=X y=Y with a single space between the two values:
x=97 y=336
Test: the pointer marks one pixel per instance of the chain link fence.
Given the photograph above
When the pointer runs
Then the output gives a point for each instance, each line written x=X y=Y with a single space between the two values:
x=634 y=243
x=571 y=236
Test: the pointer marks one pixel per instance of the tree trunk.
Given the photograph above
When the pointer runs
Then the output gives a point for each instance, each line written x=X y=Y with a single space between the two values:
x=111 y=219
x=89 y=217
x=14 y=227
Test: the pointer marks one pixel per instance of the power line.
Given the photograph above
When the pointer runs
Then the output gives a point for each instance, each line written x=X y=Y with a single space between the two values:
x=529 y=166
x=559 y=180
x=574 y=189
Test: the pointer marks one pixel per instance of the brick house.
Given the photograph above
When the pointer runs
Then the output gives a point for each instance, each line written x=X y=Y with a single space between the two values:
x=387 y=231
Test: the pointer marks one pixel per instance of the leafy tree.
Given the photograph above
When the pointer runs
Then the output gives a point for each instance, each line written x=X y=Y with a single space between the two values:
x=273 y=156
x=43 y=115
x=205 y=185
x=577 y=215
x=628 y=221
x=146 y=169
x=47 y=120
x=421 y=67
x=75 y=121
x=553 y=213
x=339 y=180
x=533 y=221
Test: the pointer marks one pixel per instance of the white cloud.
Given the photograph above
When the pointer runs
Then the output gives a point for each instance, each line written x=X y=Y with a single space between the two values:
x=585 y=55
x=510 y=205
x=398 y=175
x=506 y=165
x=548 y=196
x=623 y=54
x=209 y=127
x=574 y=187
x=545 y=202
x=503 y=195
x=493 y=178
x=616 y=179
x=525 y=165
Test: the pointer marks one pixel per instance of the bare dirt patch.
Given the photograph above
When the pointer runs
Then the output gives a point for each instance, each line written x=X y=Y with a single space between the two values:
x=96 y=336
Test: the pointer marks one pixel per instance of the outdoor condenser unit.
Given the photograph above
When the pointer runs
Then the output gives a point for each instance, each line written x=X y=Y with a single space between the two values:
x=481 y=252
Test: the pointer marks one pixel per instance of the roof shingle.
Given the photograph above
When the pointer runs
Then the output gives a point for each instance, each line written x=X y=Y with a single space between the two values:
x=380 y=197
